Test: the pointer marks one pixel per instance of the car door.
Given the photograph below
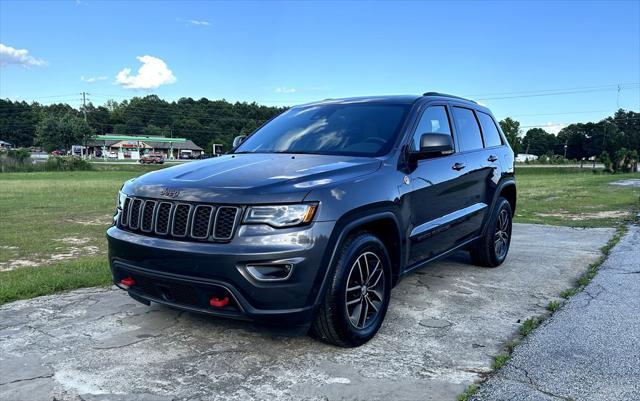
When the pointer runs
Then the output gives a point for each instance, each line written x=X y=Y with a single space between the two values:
x=438 y=191
x=480 y=168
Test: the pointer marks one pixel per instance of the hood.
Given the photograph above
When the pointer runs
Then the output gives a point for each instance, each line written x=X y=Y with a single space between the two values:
x=250 y=178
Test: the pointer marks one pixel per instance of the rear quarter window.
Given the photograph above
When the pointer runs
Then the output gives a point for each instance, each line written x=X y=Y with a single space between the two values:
x=489 y=130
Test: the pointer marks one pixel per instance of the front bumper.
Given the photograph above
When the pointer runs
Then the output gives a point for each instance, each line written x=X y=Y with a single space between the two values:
x=186 y=275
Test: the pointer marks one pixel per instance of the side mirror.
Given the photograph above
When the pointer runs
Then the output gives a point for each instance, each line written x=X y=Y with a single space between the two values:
x=433 y=144
x=238 y=140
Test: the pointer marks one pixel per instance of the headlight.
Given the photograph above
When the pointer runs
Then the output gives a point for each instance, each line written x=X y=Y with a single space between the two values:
x=120 y=200
x=280 y=215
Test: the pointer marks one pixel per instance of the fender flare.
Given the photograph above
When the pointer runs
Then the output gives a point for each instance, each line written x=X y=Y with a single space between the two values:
x=504 y=183
x=343 y=227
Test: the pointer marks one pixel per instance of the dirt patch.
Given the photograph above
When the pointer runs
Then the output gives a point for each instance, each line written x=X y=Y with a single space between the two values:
x=608 y=214
x=73 y=240
x=103 y=220
x=66 y=253
x=633 y=182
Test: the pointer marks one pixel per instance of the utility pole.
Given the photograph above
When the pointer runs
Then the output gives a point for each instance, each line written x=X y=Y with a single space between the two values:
x=84 y=105
x=84 y=152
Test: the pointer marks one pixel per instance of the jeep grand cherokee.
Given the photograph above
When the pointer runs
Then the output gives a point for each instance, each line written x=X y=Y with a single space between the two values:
x=313 y=218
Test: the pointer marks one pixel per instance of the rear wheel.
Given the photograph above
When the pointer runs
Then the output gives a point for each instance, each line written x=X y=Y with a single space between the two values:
x=491 y=250
x=356 y=301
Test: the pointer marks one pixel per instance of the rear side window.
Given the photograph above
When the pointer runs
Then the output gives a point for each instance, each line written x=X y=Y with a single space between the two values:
x=468 y=129
x=489 y=130
x=433 y=120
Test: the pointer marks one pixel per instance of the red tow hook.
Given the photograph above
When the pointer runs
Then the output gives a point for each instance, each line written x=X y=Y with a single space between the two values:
x=219 y=303
x=128 y=281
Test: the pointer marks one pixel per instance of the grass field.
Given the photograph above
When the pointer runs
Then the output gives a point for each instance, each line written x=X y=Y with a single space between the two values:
x=53 y=225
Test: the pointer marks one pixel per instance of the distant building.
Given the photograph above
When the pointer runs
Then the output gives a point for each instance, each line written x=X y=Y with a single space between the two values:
x=523 y=157
x=5 y=145
x=134 y=147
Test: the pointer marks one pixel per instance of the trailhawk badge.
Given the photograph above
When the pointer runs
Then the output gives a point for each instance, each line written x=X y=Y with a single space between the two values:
x=170 y=192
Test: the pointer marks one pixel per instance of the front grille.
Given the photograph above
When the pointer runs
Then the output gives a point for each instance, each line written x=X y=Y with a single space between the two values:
x=188 y=221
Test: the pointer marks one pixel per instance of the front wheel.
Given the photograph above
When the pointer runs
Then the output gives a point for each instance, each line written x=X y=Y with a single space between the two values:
x=492 y=248
x=356 y=301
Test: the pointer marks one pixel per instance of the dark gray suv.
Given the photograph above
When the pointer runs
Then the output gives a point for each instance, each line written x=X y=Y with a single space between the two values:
x=313 y=218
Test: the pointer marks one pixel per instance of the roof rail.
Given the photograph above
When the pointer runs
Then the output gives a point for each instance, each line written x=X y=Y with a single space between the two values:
x=446 y=95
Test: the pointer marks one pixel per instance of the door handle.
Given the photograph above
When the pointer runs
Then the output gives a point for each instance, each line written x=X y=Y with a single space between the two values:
x=492 y=158
x=458 y=166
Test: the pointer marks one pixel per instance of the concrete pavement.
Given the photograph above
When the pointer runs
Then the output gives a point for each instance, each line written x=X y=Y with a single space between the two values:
x=444 y=325
x=589 y=349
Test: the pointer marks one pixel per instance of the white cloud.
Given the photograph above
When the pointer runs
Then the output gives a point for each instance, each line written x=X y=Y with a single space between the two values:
x=9 y=55
x=199 y=22
x=153 y=73
x=91 y=80
x=283 y=89
x=553 y=128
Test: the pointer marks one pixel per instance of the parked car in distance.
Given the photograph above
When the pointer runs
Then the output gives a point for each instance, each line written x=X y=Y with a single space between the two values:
x=112 y=155
x=152 y=158
x=312 y=219
x=59 y=152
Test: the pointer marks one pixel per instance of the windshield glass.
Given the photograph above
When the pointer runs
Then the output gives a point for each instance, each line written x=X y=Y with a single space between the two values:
x=335 y=129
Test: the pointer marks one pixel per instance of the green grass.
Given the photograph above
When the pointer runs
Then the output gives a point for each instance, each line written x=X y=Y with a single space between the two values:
x=35 y=281
x=53 y=219
x=468 y=392
x=553 y=306
x=573 y=197
x=529 y=325
x=499 y=361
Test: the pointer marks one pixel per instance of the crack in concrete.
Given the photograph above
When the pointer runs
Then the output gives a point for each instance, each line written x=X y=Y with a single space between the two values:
x=28 y=379
x=531 y=384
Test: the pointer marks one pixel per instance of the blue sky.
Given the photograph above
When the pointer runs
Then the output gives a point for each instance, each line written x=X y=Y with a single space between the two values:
x=285 y=53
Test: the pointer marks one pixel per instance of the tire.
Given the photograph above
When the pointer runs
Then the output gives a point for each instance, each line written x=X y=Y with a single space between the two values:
x=487 y=251
x=342 y=324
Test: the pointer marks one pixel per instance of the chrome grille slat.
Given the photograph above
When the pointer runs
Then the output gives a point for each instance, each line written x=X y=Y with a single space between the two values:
x=183 y=220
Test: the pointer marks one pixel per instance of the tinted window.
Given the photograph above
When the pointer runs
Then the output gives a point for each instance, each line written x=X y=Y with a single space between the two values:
x=434 y=119
x=489 y=130
x=334 y=129
x=468 y=129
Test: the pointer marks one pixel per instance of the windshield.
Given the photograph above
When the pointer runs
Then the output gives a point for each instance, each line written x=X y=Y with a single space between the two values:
x=335 y=129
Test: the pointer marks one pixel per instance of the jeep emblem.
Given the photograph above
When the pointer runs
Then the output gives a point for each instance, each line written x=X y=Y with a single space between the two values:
x=170 y=192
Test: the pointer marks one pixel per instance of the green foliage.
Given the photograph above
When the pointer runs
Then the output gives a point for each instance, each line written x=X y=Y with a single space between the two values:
x=9 y=164
x=511 y=129
x=499 y=361
x=468 y=392
x=553 y=306
x=31 y=282
x=69 y=163
x=538 y=142
x=62 y=132
x=20 y=154
x=529 y=325
x=605 y=159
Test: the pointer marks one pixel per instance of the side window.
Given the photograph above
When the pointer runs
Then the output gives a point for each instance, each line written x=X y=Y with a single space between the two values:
x=489 y=130
x=468 y=129
x=434 y=119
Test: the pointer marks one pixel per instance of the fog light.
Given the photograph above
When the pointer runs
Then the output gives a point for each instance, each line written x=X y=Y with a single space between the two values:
x=219 y=302
x=270 y=272
x=128 y=281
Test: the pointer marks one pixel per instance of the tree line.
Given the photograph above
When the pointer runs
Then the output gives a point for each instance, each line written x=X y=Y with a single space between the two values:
x=58 y=126
x=217 y=121
x=614 y=140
